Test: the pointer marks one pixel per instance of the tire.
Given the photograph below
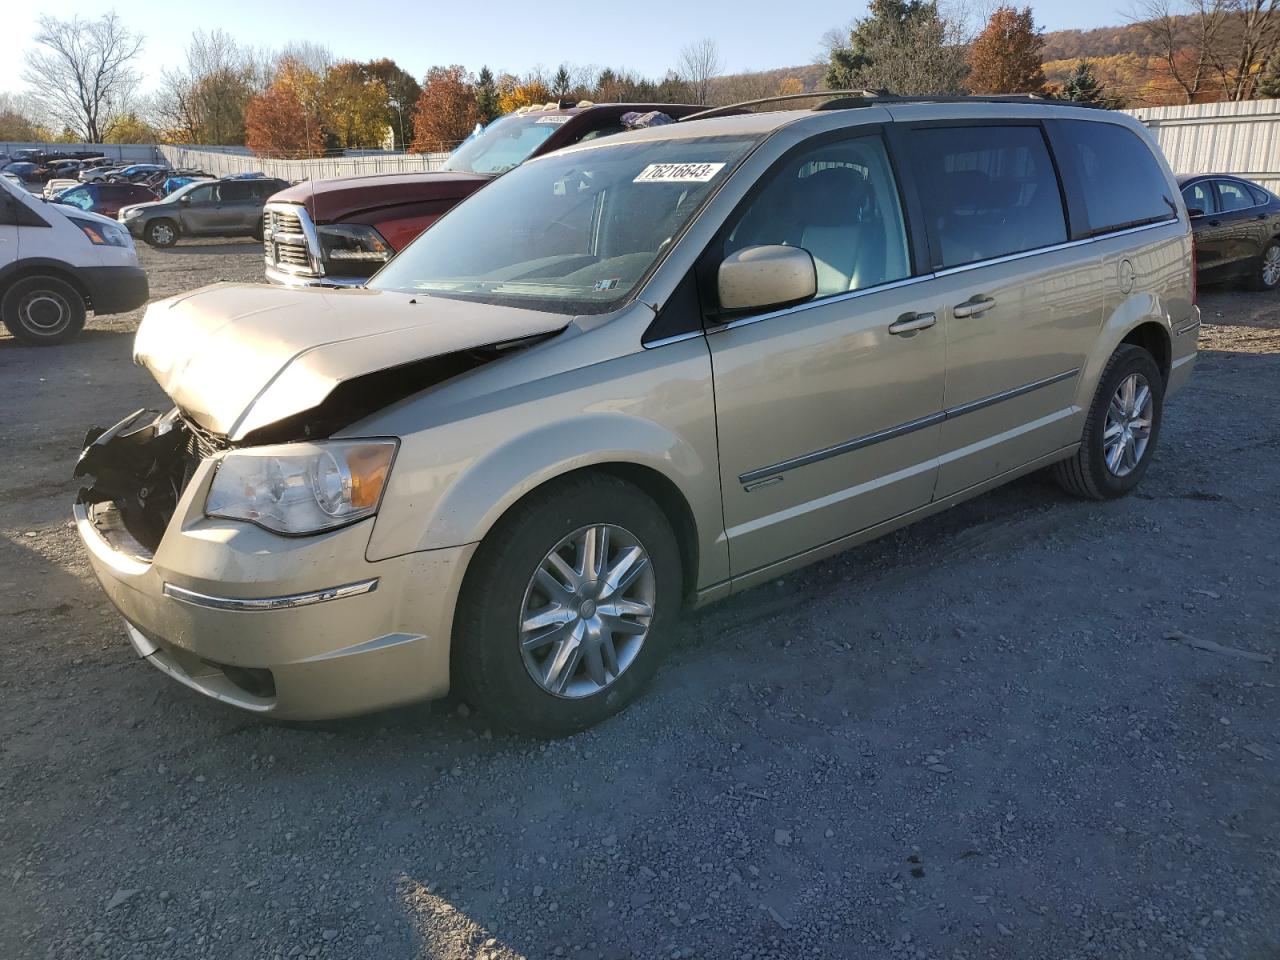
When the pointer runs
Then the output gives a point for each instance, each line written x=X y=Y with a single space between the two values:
x=1089 y=473
x=1265 y=274
x=494 y=662
x=43 y=311
x=161 y=233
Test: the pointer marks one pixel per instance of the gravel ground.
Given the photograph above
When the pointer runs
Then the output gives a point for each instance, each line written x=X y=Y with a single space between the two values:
x=972 y=739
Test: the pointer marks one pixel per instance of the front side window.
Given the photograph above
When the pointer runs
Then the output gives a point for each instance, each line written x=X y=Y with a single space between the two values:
x=567 y=233
x=838 y=201
x=201 y=194
x=1199 y=196
x=1122 y=184
x=1233 y=196
x=986 y=191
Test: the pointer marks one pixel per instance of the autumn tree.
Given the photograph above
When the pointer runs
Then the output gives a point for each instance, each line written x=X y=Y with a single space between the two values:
x=514 y=94
x=447 y=111
x=82 y=71
x=1005 y=56
x=902 y=46
x=1268 y=83
x=130 y=128
x=17 y=121
x=353 y=106
x=284 y=120
x=403 y=91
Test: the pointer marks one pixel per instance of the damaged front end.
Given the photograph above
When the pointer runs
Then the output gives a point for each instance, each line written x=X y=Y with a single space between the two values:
x=140 y=468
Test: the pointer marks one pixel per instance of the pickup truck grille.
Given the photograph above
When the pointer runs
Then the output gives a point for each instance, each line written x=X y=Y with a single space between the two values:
x=286 y=244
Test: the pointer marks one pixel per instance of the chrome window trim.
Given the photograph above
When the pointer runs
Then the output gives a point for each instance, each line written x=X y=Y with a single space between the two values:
x=1220 y=178
x=951 y=413
x=287 y=602
x=945 y=272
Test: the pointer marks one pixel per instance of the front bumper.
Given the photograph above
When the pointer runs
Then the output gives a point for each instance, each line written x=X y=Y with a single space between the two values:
x=260 y=622
x=116 y=289
x=287 y=279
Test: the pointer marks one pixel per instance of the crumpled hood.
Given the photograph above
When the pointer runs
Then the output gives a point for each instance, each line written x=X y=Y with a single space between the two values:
x=236 y=357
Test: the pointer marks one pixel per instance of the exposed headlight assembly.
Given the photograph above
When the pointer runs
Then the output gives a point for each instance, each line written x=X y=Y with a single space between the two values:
x=356 y=245
x=103 y=234
x=301 y=488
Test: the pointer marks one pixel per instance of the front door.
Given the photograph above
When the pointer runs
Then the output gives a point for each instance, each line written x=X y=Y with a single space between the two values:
x=1243 y=225
x=828 y=412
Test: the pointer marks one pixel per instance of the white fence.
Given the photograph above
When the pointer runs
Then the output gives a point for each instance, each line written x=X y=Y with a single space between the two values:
x=123 y=152
x=1240 y=138
x=225 y=161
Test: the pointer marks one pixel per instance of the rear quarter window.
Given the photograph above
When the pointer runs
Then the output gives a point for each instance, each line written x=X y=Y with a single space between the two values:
x=1121 y=183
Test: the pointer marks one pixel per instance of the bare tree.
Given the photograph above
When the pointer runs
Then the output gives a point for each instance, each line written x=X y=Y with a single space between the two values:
x=204 y=100
x=1218 y=46
x=698 y=63
x=82 y=73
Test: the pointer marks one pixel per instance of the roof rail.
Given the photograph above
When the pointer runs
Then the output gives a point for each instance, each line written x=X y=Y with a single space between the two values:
x=849 y=99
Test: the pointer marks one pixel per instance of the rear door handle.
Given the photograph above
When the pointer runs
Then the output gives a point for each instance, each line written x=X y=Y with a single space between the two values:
x=973 y=307
x=912 y=322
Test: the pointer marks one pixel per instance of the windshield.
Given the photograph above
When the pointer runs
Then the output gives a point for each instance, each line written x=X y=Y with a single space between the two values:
x=567 y=233
x=505 y=143
x=76 y=197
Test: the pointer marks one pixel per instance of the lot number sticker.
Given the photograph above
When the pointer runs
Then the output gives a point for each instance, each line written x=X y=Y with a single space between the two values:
x=679 y=172
x=556 y=118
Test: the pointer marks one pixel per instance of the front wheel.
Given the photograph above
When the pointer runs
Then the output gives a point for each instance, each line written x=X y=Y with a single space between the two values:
x=1266 y=274
x=43 y=311
x=1120 y=431
x=560 y=623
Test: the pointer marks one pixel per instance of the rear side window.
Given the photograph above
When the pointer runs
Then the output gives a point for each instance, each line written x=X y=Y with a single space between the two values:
x=1260 y=196
x=1121 y=182
x=986 y=191
x=1233 y=196
x=233 y=191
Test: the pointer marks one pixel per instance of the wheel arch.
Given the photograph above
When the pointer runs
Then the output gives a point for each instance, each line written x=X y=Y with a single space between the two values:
x=1154 y=338
x=44 y=267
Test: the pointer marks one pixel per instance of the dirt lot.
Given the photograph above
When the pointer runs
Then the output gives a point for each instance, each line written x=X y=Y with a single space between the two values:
x=970 y=739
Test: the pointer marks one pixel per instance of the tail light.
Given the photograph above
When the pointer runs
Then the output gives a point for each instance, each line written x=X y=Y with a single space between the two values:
x=1195 y=269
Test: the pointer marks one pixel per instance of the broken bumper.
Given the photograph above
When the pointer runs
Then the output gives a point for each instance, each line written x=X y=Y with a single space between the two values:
x=294 y=628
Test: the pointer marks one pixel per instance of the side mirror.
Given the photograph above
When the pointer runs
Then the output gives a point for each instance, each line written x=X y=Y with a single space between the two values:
x=1194 y=212
x=766 y=276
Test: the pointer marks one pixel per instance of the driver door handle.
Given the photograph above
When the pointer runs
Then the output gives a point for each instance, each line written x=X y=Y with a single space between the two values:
x=973 y=307
x=911 y=322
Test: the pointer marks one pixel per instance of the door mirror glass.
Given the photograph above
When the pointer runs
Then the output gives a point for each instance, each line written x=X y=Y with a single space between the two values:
x=766 y=276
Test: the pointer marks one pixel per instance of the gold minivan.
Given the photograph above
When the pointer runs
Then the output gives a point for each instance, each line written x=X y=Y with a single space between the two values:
x=632 y=377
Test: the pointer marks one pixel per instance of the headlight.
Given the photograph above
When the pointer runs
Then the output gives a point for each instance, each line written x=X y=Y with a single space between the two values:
x=300 y=488
x=103 y=234
x=353 y=243
x=128 y=213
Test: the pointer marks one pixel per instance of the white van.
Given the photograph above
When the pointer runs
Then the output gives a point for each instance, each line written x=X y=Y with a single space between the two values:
x=58 y=262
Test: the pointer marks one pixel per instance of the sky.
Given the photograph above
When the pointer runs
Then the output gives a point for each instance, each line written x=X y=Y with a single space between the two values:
x=503 y=34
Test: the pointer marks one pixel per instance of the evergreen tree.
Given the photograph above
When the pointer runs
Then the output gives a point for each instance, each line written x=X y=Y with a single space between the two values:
x=1083 y=87
x=902 y=46
x=561 y=83
x=486 y=96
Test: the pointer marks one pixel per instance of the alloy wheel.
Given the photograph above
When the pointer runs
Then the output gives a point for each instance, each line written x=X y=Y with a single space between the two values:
x=1128 y=428
x=162 y=233
x=1271 y=266
x=587 y=611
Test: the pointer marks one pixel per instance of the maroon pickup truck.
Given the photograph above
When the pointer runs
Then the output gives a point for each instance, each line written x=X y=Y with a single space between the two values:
x=340 y=232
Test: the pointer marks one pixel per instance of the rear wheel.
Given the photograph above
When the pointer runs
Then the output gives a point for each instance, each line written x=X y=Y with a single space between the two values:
x=43 y=311
x=561 y=622
x=1266 y=273
x=1120 y=431
x=161 y=233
